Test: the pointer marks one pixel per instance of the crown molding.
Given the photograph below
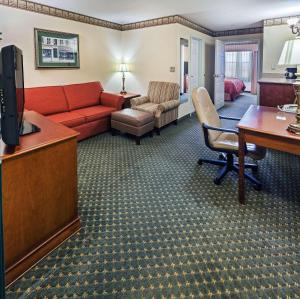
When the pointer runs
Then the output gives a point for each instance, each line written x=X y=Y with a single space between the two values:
x=60 y=13
x=278 y=21
x=176 y=19
x=244 y=31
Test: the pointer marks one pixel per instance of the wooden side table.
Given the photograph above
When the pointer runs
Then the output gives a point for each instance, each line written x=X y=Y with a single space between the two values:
x=127 y=97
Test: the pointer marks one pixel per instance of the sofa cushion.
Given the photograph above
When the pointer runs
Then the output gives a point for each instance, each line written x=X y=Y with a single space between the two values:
x=95 y=112
x=46 y=100
x=83 y=95
x=69 y=119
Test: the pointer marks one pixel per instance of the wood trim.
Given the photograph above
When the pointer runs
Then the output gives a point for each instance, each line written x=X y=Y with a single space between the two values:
x=273 y=142
x=15 y=271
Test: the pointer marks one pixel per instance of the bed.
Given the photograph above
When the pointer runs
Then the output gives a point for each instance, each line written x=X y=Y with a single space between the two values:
x=233 y=88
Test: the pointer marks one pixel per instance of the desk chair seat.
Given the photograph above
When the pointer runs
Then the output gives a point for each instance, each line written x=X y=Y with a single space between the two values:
x=223 y=140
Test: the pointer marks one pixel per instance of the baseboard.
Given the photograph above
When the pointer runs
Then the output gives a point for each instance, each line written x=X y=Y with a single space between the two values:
x=31 y=259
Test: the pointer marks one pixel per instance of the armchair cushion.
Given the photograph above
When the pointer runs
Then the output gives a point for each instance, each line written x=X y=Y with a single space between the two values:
x=139 y=101
x=167 y=106
x=147 y=107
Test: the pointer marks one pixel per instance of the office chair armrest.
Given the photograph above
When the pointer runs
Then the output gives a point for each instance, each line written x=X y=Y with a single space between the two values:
x=207 y=127
x=230 y=118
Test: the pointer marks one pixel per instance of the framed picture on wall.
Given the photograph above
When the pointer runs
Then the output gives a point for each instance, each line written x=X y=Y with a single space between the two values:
x=56 y=49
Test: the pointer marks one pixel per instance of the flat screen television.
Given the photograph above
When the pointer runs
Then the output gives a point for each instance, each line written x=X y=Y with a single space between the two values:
x=12 y=97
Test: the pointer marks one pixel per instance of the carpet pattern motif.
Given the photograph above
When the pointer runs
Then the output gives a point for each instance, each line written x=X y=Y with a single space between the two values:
x=154 y=225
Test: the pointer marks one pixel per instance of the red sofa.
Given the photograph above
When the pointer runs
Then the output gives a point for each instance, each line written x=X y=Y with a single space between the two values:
x=85 y=107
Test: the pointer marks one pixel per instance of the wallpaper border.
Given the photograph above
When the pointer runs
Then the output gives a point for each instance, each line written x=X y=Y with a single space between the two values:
x=278 y=21
x=60 y=13
x=176 y=19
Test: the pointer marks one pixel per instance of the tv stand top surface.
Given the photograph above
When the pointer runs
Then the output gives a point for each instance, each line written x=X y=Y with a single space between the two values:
x=50 y=133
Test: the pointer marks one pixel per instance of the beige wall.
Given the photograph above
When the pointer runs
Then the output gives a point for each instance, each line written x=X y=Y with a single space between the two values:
x=274 y=38
x=100 y=48
x=152 y=51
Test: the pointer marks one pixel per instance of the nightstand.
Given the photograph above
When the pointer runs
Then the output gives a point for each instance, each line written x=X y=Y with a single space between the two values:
x=127 y=97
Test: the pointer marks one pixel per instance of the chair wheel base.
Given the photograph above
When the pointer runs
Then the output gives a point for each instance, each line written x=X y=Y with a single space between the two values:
x=257 y=187
x=217 y=182
x=200 y=162
x=222 y=157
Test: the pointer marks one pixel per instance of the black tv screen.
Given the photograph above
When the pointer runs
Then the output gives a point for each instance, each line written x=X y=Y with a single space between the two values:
x=11 y=94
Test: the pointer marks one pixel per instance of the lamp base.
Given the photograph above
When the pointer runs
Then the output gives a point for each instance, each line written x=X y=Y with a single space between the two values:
x=123 y=92
x=294 y=128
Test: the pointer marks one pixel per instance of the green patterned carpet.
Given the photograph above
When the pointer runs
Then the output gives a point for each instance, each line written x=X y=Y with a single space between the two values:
x=154 y=225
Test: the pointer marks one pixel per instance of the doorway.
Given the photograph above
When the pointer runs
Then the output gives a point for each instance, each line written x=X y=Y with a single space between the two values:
x=241 y=63
x=191 y=74
x=196 y=63
x=241 y=74
x=184 y=70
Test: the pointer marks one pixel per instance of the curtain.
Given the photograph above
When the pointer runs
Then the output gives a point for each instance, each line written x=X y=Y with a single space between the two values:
x=239 y=65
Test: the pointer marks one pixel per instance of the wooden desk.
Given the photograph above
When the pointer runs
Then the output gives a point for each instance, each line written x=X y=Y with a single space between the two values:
x=267 y=127
x=39 y=194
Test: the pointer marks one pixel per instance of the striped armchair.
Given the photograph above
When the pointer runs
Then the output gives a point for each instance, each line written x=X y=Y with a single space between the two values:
x=162 y=100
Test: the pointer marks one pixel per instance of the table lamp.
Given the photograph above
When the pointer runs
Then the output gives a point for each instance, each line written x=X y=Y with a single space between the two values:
x=291 y=56
x=123 y=68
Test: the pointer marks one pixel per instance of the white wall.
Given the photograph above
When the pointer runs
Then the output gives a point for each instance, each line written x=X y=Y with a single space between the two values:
x=100 y=48
x=152 y=51
x=274 y=38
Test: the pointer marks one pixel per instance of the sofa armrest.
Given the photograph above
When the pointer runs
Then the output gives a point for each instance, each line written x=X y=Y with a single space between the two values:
x=166 y=106
x=139 y=101
x=111 y=100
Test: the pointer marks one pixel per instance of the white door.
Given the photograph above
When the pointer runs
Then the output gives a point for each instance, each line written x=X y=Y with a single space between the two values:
x=196 y=59
x=219 y=75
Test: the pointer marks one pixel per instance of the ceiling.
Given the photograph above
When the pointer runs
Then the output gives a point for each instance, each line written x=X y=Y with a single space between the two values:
x=215 y=15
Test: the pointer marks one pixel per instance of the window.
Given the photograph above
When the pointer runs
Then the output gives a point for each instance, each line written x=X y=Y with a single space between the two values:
x=238 y=65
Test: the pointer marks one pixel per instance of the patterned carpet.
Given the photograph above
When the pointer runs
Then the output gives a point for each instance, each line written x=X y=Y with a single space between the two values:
x=154 y=225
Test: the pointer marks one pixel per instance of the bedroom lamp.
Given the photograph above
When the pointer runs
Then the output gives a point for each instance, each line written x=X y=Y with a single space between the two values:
x=291 y=56
x=123 y=68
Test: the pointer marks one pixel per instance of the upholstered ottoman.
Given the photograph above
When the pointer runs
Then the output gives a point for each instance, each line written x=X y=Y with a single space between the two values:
x=134 y=122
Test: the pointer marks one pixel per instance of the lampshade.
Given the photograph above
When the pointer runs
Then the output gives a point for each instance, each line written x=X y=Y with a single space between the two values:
x=123 y=67
x=291 y=53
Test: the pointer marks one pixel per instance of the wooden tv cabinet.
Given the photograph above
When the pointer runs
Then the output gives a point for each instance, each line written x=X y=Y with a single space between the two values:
x=39 y=194
x=276 y=91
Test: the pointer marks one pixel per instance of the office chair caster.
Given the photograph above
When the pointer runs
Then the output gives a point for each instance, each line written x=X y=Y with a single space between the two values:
x=217 y=182
x=254 y=169
x=257 y=187
x=222 y=157
x=200 y=162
